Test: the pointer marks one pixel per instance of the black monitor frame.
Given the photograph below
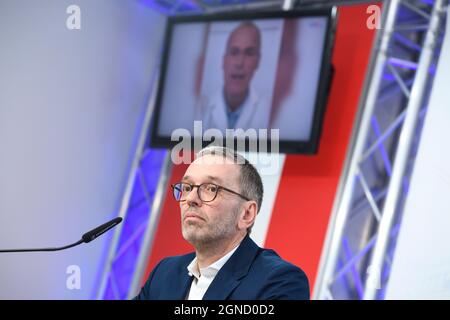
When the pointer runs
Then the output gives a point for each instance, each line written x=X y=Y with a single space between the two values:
x=310 y=146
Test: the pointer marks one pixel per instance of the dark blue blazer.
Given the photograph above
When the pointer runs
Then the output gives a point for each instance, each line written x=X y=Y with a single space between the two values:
x=251 y=273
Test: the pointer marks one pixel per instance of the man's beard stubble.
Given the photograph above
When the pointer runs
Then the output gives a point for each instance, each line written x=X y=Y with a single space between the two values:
x=206 y=233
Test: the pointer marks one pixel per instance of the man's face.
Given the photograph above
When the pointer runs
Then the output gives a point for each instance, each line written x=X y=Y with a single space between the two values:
x=203 y=222
x=241 y=59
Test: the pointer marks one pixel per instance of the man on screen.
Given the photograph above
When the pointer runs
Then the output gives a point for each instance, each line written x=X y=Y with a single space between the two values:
x=237 y=104
x=220 y=195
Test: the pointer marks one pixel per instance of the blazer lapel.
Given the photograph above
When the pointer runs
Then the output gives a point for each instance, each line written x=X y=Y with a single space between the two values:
x=218 y=113
x=185 y=285
x=178 y=285
x=231 y=274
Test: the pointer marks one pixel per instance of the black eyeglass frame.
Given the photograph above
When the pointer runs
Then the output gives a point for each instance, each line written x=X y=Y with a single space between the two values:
x=198 y=191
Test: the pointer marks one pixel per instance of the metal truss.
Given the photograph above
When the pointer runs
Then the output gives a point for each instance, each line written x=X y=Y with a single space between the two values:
x=140 y=209
x=127 y=253
x=144 y=193
x=142 y=199
x=366 y=217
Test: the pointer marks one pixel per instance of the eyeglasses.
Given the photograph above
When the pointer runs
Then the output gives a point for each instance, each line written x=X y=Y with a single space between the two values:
x=206 y=192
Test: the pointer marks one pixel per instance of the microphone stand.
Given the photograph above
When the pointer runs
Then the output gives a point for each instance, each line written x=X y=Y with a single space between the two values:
x=86 y=238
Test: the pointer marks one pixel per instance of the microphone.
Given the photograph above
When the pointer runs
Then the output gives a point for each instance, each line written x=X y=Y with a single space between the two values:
x=86 y=238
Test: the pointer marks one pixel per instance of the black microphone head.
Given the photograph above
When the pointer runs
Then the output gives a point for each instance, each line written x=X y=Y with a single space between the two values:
x=94 y=233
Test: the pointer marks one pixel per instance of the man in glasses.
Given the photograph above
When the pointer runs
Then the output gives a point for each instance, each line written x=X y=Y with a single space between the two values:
x=220 y=196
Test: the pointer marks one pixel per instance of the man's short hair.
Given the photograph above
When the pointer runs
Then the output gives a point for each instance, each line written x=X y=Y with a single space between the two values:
x=246 y=24
x=251 y=185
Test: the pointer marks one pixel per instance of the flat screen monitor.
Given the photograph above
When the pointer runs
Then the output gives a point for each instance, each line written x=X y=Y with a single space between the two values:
x=259 y=78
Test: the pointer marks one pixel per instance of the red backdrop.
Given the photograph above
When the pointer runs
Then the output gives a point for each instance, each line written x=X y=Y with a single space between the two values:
x=308 y=184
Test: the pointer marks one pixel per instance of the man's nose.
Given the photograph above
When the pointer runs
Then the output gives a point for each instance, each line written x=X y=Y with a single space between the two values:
x=239 y=60
x=192 y=198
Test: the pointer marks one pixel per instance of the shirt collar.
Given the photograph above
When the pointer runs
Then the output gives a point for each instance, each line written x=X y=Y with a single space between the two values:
x=211 y=270
x=241 y=107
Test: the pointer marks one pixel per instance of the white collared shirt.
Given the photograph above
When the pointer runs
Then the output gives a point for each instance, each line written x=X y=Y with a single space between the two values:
x=255 y=112
x=204 y=277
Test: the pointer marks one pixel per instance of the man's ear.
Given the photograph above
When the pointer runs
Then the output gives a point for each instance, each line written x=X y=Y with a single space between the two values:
x=248 y=214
